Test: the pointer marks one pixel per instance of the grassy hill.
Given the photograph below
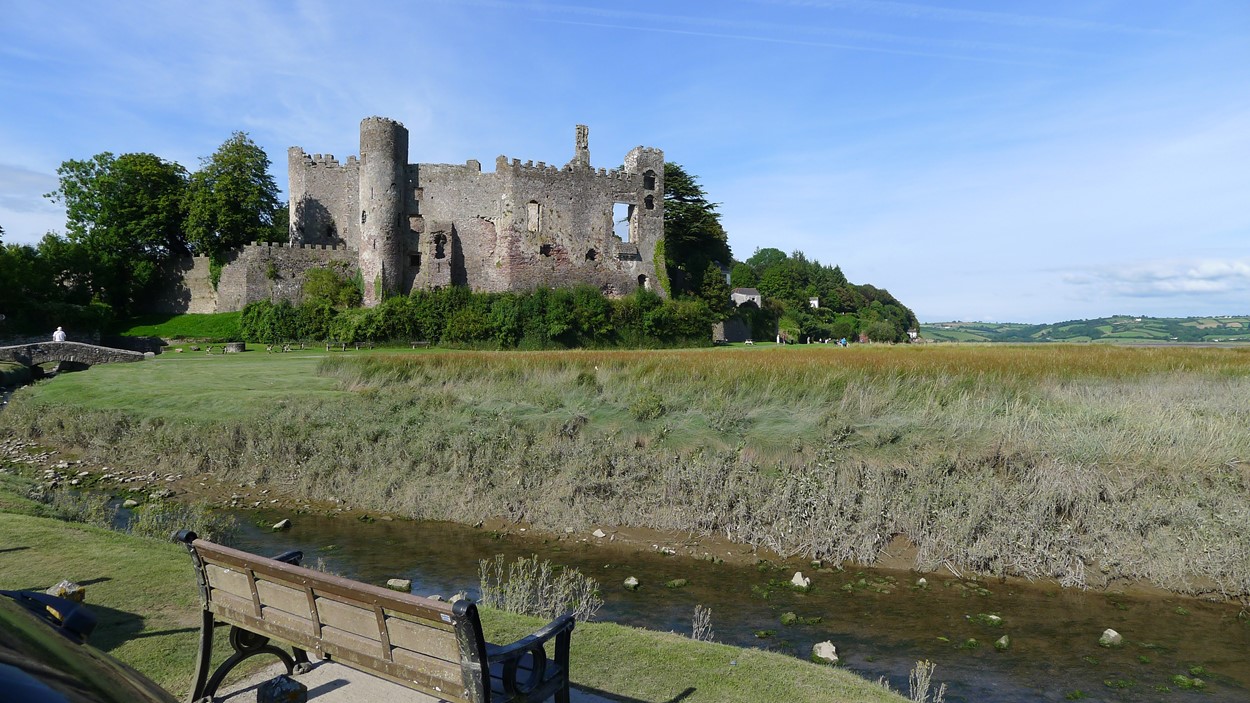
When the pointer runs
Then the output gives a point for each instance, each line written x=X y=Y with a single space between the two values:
x=1120 y=328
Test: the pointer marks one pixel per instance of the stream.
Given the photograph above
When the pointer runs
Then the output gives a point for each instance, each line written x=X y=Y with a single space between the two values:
x=881 y=621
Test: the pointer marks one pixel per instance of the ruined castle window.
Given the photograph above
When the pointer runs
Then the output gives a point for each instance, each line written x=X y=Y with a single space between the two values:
x=622 y=220
x=440 y=246
x=534 y=213
x=545 y=250
x=643 y=282
x=414 y=261
x=648 y=180
x=649 y=201
x=591 y=254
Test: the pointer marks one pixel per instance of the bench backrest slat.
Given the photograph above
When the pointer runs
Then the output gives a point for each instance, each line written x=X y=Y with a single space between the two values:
x=422 y=643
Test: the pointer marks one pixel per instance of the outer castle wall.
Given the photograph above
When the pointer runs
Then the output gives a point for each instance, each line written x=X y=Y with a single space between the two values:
x=413 y=226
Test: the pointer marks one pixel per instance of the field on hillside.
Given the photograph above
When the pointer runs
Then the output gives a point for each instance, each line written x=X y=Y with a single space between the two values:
x=1078 y=463
x=1224 y=329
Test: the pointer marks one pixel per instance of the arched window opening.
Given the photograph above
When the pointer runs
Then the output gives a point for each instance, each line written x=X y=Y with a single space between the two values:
x=440 y=246
x=648 y=180
x=649 y=201
x=534 y=213
x=644 y=282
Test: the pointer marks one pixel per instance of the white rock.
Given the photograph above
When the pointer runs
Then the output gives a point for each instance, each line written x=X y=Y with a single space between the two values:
x=599 y=533
x=401 y=585
x=1110 y=638
x=825 y=651
x=800 y=581
x=922 y=582
x=130 y=503
x=631 y=583
x=283 y=524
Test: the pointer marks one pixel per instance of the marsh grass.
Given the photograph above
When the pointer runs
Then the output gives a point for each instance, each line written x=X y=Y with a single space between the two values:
x=1042 y=462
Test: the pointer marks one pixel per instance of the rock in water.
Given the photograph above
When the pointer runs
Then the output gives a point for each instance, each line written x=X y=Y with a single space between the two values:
x=1110 y=638
x=825 y=652
x=631 y=584
x=282 y=689
x=600 y=534
x=1002 y=643
x=283 y=524
x=401 y=585
x=130 y=503
x=800 y=581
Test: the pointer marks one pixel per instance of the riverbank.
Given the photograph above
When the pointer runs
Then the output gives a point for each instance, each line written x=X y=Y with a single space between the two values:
x=1089 y=466
x=144 y=593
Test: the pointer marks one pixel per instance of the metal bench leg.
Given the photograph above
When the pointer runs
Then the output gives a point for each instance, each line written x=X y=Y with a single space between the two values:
x=246 y=645
x=204 y=660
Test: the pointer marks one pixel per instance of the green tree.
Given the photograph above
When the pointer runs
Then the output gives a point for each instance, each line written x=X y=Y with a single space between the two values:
x=231 y=200
x=693 y=235
x=125 y=216
x=765 y=259
x=715 y=293
x=743 y=276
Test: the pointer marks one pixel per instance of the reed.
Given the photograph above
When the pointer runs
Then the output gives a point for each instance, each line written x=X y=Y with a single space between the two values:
x=1076 y=463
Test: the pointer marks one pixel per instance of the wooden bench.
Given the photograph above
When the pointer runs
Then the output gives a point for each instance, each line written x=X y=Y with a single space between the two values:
x=424 y=644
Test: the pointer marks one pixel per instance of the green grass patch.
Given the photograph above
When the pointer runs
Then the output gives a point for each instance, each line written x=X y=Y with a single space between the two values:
x=217 y=327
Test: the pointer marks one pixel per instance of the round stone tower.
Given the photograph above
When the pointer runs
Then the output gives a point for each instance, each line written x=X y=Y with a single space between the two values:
x=383 y=182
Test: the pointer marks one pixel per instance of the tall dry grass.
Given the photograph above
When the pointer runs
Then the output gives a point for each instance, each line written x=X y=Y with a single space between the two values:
x=1074 y=463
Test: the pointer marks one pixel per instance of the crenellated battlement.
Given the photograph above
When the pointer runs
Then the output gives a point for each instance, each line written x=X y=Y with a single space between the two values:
x=328 y=161
x=285 y=245
x=542 y=168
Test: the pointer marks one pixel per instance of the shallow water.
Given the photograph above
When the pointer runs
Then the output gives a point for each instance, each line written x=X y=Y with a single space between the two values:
x=879 y=620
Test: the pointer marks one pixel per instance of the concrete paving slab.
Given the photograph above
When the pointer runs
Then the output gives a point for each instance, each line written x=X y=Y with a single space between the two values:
x=331 y=682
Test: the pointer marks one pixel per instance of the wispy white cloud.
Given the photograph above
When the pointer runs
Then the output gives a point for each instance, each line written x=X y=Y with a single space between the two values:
x=1165 y=278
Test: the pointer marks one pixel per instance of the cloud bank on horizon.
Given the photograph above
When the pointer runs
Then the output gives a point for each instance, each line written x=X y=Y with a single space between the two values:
x=1035 y=162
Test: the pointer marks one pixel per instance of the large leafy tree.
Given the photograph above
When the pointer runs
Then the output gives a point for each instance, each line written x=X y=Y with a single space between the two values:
x=231 y=200
x=693 y=235
x=124 y=217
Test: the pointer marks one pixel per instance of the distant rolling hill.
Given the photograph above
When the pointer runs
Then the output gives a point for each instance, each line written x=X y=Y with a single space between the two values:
x=1121 y=328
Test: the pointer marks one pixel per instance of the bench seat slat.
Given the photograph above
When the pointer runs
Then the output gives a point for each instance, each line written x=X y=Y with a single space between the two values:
x=229 y=605
x=351 y=640
x=416 y=637
x=288 y=621
x=428 y=666
x=231 y=581
x=341 y=616
x=283 y=597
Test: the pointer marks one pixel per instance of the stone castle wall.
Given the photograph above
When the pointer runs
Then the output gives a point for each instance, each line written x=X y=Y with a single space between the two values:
x=273 y=272
x=414 y=226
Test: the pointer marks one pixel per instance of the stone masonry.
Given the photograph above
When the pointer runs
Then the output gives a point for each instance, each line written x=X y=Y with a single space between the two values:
x=525 y=225
x=405 y=226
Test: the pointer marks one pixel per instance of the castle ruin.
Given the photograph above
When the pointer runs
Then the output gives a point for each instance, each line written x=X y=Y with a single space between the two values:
x=412 y=226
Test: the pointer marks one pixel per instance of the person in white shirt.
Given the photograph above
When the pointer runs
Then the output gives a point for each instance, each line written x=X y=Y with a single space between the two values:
x=58 y=335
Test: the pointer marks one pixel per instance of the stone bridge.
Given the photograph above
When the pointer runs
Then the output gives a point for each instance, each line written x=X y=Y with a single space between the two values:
x=71 y=352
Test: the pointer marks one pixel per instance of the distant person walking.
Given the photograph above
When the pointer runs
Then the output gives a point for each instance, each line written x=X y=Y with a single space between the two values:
x=58 y=335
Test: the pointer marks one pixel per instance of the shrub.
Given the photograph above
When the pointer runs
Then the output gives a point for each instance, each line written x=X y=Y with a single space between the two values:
x=533 y=587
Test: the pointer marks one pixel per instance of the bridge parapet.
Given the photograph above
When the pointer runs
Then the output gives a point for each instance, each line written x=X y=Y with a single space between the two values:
x=76 y=352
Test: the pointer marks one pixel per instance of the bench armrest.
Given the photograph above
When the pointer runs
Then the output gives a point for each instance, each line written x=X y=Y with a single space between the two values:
x=542 y=680
x=500 y=653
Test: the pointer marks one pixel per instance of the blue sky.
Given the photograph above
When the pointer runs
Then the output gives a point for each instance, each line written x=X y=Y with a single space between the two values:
x=1024 y=161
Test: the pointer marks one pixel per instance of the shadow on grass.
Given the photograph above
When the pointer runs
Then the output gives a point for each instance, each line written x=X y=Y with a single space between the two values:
x=12 y=549
x=624 y=699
